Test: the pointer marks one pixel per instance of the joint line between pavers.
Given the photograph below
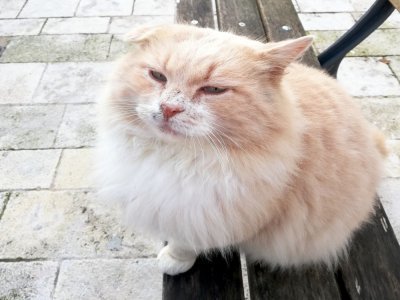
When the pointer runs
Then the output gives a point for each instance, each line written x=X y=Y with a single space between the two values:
x=44 y=24
x=109 y=47
x=76 y=8
x=46 y=104
x=110 y=19
x=6 y=199
x=47 y=148
x=23 y=6
x=56 y=170
x=50 y=190
x=56 y=280
x=133 y=7
x=59 y=126
x=393 y=72
x=39 y=81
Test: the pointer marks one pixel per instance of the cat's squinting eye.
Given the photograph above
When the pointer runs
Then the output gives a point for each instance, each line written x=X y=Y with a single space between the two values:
x=160 y=77
x=213 y=90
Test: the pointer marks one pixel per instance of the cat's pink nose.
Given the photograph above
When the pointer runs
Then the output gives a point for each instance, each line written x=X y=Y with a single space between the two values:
x=170 y=110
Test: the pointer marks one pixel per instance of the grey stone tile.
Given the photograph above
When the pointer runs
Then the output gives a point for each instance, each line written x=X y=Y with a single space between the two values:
x=75 y=169
x=118 y=47
x=393 y=159
x=53 y=48
x=29 y=127
x=27 y=169
x=325 y=6
x=72 y=82
x=27 y=280
x=384 y=113
x=21 y=27
x=20 y=83
x=10 y=9
x=394 y=63
x=367 y=77
x=326 y=21
x=76 y=25
x=154 y=7
x=78 y=127
x=379 y=43
x=66 y=224
x=389 y=193
x=105 y=8
x=137 y=279
x=361 y=5
x=45 y=8
x=122 y=25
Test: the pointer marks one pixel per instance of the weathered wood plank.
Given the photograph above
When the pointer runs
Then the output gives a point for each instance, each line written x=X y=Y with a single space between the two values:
x=199 y=12
x=242 y=17
x=372 y=270
x=281 y=22
x=209 y=279
x=312 y=283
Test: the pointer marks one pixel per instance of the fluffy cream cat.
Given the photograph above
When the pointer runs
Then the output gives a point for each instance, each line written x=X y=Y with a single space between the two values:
x=211 y=140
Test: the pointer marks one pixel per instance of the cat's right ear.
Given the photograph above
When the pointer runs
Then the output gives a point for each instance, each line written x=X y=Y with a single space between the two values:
x=141 y=35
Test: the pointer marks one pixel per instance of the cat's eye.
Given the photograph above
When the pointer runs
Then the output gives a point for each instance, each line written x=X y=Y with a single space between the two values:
x=160 y=77
x=213 y=90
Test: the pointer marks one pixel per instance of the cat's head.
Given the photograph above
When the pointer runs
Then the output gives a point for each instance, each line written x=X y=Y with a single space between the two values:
x=184 y=82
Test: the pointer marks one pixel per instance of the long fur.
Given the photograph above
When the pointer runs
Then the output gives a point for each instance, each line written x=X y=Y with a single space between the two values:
x=282 y=164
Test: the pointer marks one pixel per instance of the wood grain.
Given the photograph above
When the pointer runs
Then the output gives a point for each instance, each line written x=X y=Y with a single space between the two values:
x=281 y=22
x=209 y=279
x=241 y=17
x=197 y=11
x=311 y=283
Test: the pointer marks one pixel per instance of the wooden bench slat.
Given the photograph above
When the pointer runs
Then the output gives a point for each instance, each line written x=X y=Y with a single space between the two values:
x=312 y=283
x=194 y=10
x=281 y=22
x=372 y=270
x=240 y=16
x=209 y=279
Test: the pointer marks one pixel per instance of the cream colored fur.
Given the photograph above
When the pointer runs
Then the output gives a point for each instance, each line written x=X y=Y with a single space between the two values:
x=282 y=164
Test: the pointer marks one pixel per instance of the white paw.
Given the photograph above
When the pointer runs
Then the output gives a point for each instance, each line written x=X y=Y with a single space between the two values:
x=171 y=264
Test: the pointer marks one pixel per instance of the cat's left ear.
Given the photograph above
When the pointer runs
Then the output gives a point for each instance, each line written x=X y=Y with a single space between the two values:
x=279 y=55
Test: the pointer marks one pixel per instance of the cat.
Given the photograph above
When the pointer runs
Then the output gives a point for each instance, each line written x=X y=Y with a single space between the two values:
x=209 y=140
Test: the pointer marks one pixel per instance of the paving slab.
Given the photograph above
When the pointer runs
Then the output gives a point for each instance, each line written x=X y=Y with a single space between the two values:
x=122 y=25
x=53 y=48
x=27 y=280
x=4 y=196
x=391 y=23
x=379 y=43
x=361 y=5
x=325 y=6
x=20 y=83
x=10 y=9
x=72 y=82
x=27 y=169
x=384 y=113
x=78 y=127
x=326 y=21
x=118 y=47
x=105 y=8
x=394 y=63
x=45 y=8
x=137 y=279
x=154 y=7
x=29 y=127
x=66 y=224
x=76 y=25
x=75 y=169
x=367 y=77
x=21 y=27
x=389 y=193
x=393 y=159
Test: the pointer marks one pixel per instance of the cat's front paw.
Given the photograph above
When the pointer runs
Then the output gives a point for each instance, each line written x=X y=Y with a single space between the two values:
x=172 y=263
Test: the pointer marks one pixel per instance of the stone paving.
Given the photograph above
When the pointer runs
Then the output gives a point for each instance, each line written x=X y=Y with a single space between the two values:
x=56 y=241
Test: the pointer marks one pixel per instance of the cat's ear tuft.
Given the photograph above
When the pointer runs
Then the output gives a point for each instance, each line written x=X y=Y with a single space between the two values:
x=278 y=56
x=141 y=35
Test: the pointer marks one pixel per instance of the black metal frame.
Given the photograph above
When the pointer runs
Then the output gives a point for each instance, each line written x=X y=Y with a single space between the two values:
x=331 y=58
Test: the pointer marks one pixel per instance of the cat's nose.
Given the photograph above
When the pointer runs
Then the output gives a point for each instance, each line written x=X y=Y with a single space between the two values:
x=169 y=110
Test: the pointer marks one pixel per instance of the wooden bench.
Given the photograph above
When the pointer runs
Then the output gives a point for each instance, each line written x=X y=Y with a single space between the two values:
x=372 y=268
